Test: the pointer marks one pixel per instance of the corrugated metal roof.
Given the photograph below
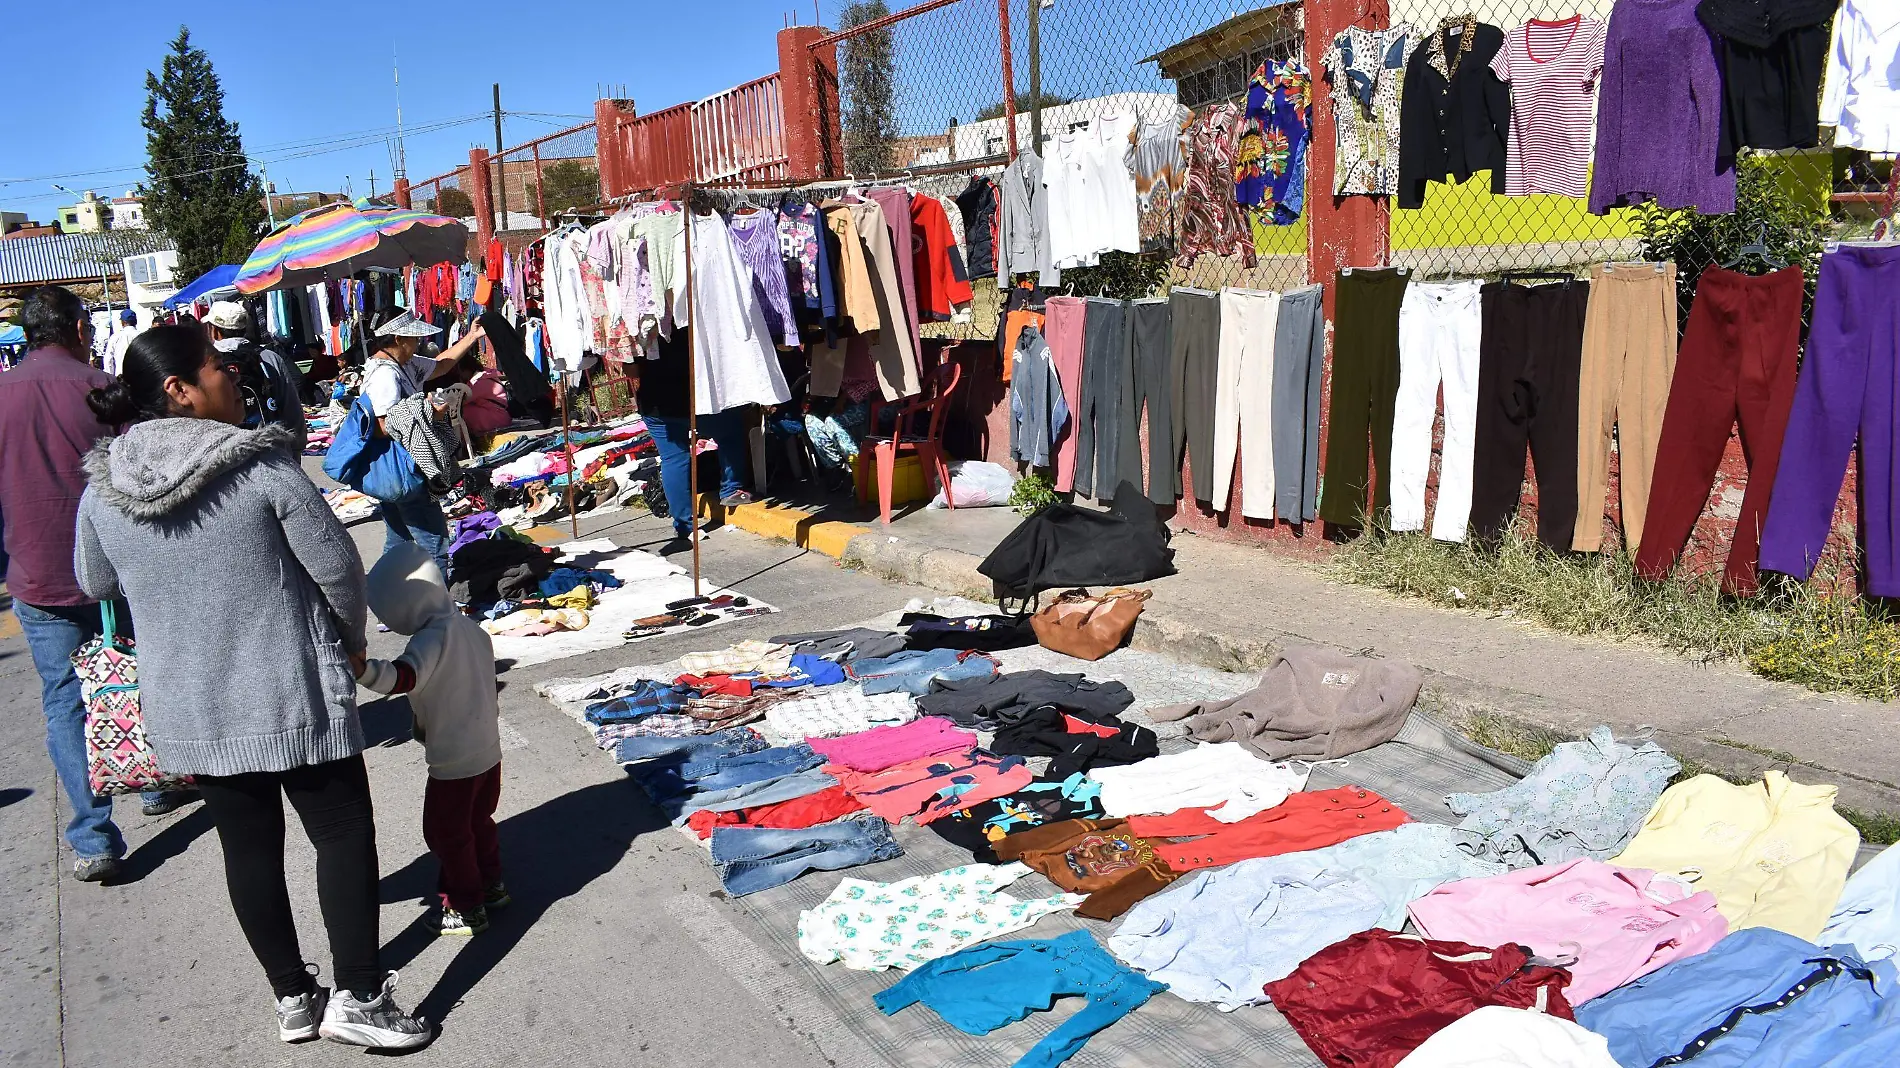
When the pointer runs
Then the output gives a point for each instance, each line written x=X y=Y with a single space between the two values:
x=66 y=257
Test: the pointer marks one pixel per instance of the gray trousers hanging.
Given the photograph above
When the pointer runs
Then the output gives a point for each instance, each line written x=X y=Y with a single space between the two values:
x=1107 y=390
x=1299 y=355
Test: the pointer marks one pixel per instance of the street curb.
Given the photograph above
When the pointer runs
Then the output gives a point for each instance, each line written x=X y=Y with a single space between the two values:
x=785 y=523
x=1189 y=636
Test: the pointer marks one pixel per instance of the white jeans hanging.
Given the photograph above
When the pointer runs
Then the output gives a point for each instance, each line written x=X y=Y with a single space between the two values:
x=1439 y=327
x=1243 y=400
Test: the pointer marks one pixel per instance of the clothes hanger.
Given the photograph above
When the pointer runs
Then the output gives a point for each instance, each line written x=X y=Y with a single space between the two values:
x=1757 y=248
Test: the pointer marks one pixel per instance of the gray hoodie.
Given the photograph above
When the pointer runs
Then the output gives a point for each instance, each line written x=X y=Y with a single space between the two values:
x=448 y=670
x=244 y=588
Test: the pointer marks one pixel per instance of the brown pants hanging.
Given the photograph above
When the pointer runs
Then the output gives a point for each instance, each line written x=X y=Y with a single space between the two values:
x=1629 y=358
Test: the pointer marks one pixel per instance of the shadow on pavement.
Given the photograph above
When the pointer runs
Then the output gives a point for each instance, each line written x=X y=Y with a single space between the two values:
x=549 y=853
x=166 y=844
x=13 y=795
x=387 y=721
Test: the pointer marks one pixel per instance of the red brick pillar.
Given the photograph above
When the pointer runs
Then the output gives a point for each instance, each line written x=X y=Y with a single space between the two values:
x=481 y=192
x=610 y=146
x=1342 y=231
x=402 y=192
x=808 y=96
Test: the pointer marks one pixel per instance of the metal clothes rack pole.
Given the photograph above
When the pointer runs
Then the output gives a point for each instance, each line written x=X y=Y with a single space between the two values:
x=567 y=450
x=692 y=381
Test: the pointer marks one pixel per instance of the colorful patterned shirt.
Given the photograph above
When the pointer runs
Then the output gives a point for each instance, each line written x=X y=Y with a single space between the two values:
x=1270 y=168
x=873 y=926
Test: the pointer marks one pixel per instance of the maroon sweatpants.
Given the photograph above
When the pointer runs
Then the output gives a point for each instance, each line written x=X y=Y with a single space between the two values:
x=458 y=823
x=1737 y=360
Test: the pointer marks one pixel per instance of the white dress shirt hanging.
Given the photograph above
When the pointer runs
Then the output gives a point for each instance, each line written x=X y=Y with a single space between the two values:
x=736 y=361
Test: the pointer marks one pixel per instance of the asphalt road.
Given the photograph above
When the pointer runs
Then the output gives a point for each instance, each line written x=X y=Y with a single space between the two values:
x=599 y=962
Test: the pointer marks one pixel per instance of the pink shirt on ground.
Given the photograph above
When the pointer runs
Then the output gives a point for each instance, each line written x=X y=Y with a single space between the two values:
x=883 y=747
x=1619 y=923
x=935 y=786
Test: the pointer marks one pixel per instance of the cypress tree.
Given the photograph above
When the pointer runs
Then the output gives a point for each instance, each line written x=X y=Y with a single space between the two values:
x=200 y=190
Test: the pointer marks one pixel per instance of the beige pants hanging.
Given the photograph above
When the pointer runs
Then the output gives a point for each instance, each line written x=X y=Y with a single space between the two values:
x=1243 y=400
x=1629 y=359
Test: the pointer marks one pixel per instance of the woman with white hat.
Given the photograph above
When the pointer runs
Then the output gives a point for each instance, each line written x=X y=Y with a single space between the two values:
x=392 y=372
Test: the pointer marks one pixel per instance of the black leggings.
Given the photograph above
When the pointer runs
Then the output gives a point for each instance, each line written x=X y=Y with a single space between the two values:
x=333 y=802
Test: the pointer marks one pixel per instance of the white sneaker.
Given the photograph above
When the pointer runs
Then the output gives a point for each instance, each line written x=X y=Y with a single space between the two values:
x=378 y=1024
x=297 y=1017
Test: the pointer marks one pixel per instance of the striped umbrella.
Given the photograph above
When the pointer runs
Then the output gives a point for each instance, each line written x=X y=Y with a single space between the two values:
x=338 y=240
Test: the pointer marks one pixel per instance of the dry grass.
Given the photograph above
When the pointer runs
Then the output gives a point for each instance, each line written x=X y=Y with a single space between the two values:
x=1804 y=636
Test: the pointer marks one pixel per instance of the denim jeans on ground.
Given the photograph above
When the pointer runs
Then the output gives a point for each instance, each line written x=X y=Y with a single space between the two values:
x=52 y=635
x=419 y=519
x=912 y=671
x=693 y=747
x=751 y=795
x=670 y=779
x=669 y=436
x=751 y=859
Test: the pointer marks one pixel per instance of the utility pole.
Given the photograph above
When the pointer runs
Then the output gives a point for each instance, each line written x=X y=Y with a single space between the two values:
x=372 y=183
x=402 y=160
x=501 y=174
x=270 y=212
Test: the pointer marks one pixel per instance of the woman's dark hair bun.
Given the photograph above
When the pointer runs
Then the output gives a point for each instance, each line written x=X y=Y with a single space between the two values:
x=113 y=404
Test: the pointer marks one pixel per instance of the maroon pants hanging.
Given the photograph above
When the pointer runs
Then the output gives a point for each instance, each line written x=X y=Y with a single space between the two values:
x=1737 y=361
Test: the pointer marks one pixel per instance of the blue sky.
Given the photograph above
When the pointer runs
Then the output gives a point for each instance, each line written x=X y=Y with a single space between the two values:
x=295 y=74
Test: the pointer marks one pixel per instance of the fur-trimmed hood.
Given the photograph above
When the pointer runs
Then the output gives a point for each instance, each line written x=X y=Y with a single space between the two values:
x=158 y=466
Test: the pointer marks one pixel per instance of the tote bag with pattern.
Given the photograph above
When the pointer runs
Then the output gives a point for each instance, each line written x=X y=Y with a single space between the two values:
x=119 y=758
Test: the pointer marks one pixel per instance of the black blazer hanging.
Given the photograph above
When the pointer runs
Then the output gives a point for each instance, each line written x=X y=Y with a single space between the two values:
x=1452 y=125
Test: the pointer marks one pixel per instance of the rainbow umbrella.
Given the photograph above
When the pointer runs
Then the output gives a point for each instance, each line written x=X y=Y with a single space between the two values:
x=338 y=240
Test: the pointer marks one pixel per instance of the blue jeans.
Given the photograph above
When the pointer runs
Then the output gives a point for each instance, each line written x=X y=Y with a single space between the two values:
x=731 y=742
x=913 y=670
x=676 y=473
x=53 y=635
x=751 y=859
x=419 y=519
x=749 y=795
x=724 y=772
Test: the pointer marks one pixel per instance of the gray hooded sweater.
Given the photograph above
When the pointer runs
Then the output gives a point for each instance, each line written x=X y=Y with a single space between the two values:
x=245 y=592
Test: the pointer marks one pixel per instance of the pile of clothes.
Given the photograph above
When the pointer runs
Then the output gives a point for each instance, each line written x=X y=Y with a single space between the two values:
x=1590 y=915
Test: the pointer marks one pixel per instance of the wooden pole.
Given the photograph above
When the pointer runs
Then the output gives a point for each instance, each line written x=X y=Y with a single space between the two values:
x=692 y=382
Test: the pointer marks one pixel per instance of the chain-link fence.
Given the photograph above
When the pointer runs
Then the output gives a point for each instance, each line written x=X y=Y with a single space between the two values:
x=536 y=181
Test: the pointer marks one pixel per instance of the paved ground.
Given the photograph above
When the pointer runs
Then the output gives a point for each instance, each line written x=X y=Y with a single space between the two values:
x=607 y=958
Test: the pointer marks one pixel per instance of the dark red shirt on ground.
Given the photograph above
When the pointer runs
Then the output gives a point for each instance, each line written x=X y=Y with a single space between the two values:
x=45 y=431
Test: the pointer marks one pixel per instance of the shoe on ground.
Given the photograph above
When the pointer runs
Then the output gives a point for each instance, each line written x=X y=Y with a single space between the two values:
x=378 y=1023
x=737 y=499
x=168 y=803
x=454 y=923
x=679 y=544
x=95 y=869
x=299 y=1017
x=497 y=896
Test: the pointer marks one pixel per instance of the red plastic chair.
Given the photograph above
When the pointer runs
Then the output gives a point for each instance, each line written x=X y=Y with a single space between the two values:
x=884 y=451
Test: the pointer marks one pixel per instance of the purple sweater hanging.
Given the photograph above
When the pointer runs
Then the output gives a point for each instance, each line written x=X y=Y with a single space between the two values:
x=756 y=236
x=1659 y=113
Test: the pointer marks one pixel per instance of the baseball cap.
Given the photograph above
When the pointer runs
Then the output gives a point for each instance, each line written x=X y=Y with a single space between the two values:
x=229 y=315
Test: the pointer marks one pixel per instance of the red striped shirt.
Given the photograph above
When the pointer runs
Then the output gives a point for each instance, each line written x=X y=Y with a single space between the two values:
x=1553 y=69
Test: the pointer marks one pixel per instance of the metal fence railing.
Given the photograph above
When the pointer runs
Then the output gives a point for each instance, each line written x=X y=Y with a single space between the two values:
x=739 y=134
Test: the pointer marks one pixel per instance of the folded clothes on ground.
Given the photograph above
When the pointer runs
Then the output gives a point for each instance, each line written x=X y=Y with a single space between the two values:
x=751 y=859
x=986 y=704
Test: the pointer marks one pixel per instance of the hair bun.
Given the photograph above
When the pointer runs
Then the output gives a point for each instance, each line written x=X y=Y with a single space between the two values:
x=113 y=404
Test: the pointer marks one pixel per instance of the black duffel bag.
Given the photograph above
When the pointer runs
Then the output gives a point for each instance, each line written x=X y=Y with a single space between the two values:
x=1065 y=546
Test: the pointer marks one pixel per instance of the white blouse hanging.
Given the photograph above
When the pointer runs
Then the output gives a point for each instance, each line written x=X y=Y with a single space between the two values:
x=1861 y=97
x=736 y=362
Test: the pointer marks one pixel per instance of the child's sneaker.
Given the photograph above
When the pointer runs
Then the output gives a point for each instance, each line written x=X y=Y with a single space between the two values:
x=497 y=896
x=378 y=1023
x=462 y=924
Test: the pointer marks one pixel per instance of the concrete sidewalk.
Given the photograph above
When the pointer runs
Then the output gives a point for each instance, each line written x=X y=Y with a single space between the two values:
x=1233 y=607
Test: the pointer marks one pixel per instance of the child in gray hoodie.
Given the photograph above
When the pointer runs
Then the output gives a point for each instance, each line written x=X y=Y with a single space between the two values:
x=448 y=671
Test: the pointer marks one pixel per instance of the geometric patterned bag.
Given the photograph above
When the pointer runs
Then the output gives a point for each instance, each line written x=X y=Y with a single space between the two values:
x=119 y=758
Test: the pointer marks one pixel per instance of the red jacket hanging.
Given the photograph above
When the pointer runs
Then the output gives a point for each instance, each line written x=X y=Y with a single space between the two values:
x=942 y=282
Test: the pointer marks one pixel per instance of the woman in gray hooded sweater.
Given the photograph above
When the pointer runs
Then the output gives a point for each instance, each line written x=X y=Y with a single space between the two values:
x=248 y=596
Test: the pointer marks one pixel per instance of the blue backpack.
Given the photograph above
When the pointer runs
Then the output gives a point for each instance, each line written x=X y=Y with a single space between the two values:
x=369 y=461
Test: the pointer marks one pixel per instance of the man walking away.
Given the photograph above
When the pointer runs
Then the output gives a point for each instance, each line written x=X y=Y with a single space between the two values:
x=45 y=429
x=272 y=379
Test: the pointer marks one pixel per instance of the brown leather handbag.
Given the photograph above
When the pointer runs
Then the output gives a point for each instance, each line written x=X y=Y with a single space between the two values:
x=1089 y=626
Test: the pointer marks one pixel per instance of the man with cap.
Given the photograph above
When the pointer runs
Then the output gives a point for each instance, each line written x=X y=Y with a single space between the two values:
x=396 y=370
x=121 y=339
x=230 y=326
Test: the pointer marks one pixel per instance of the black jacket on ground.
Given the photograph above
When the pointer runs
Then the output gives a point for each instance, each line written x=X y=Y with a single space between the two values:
x=987 y=634
x=1044 y=731
x=994 y=701
x=1454 y=127
x=1066 y=545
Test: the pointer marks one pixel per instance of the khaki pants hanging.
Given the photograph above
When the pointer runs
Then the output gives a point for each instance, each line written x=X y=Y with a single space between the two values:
x=1629 y=358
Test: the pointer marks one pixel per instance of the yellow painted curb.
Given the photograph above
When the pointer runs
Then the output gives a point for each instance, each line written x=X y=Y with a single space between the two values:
x=794 y=525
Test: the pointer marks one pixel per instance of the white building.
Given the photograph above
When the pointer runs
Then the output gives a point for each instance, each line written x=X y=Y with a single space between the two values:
x=990 y=137
x=149 y=279
x=128 y=212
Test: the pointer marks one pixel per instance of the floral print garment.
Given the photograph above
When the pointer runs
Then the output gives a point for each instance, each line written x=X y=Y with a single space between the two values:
x=873 y=926
x=1586 y=799
x=1366 y=70
x=1209 y=217
x=1270 y=168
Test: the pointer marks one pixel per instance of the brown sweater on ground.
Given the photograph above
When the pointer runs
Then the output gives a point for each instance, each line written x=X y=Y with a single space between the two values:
x=1312 y=704
x=1099 y=858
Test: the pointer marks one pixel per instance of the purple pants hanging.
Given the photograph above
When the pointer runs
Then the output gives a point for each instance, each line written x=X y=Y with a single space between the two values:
x=1849 y=386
